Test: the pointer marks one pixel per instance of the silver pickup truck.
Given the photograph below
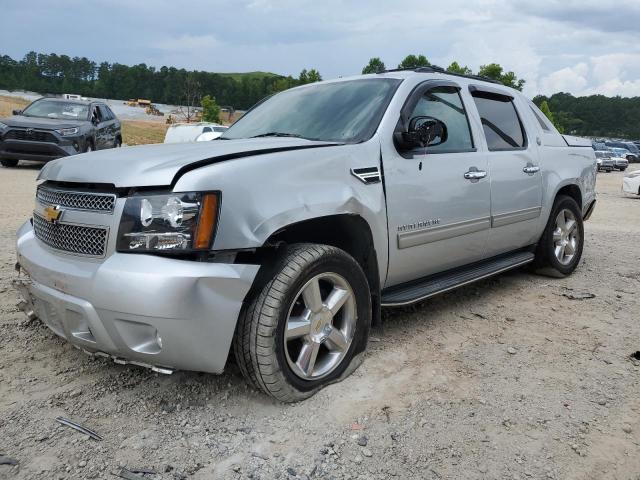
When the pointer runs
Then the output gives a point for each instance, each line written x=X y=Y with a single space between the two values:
x=282 y=240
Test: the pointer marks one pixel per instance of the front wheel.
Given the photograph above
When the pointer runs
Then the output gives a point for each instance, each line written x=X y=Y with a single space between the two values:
x=307 y=326
x=560 y=247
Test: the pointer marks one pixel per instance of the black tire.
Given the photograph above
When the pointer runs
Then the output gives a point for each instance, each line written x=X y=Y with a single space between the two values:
x=118 y=143
x=546 y=261
x=8 y=162
x=259 y=343
x=89 y=146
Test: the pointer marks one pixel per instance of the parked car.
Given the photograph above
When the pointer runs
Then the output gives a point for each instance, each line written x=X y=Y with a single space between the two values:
x=620 y=163
x=604 y=161
x=623 y=149
x=619 y=154
x=215 y=133
x=51 y=128
x=188 y=132
x=283 y=239
x=631 y=182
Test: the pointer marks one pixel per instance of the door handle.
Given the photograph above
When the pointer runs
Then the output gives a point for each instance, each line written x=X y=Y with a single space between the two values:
x=474 y=174
x=531 y=169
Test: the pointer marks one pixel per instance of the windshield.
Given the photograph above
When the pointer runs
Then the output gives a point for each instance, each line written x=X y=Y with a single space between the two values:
x=603 y=155
x=56 y=109
x=619 y=151
x=346 y=112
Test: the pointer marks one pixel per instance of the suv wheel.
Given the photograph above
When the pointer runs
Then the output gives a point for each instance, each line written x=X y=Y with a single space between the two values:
x=307 y=326
x=8 y=162
x=560 y=247
x=89 y=147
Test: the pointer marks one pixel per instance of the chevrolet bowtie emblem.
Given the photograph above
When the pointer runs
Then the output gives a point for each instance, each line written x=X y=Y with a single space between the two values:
x=53 y=213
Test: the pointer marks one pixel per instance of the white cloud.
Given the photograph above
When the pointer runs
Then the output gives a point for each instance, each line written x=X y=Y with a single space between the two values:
x=569 y=79
x=189 y=43
x=579 y=46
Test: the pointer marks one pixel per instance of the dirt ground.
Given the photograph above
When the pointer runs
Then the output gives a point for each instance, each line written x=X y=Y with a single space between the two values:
x=504 y=379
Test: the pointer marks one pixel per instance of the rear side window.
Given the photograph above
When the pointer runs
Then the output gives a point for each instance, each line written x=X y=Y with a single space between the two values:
x=538 y=114
x=500 y=122
x=445 y=104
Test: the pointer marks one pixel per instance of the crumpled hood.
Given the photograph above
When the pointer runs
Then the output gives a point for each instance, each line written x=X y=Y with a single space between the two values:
x=42 y=123
x=158 y=165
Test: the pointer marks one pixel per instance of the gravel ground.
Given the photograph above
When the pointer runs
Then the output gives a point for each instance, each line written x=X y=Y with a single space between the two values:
x=508 y=378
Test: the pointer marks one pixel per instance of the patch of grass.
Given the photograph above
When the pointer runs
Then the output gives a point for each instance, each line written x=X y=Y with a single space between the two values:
x=8 y=104
x=140 y=132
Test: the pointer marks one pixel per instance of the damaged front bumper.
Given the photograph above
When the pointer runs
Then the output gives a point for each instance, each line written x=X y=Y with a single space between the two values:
x=147 y=310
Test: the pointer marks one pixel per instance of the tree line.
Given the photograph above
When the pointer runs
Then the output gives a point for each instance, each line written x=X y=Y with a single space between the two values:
x=493 y=71
x=56 y=74
x=595 y=115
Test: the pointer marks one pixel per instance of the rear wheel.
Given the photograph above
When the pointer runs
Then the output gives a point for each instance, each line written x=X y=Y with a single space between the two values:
x=8 y=162
x=560 y=247
x=306 y=327
x=118 y=143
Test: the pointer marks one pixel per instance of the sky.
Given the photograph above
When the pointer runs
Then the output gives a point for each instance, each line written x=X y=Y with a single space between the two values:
x=577 y=46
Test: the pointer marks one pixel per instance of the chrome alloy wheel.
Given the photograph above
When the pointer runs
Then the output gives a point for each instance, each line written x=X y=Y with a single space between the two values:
x=320 y=326
x=566 y=236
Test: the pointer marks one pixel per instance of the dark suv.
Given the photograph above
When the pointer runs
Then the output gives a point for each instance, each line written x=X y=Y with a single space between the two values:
x=51 y=128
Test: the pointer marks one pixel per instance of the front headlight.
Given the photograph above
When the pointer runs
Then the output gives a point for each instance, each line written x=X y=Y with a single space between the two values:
x=68 y=132
x=3 y=126
x=171 y=223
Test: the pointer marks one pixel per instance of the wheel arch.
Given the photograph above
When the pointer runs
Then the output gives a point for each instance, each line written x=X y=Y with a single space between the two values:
x=570 y=190
x=349 y=232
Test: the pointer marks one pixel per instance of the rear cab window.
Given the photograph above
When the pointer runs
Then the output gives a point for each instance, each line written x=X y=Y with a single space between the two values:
x=501 y=123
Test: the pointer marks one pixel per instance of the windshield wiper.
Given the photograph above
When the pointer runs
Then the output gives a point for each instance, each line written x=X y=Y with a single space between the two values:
x=278 y=134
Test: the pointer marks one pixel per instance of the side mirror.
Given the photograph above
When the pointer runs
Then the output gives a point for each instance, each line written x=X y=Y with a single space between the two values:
x=423 y=132
x=17 y=112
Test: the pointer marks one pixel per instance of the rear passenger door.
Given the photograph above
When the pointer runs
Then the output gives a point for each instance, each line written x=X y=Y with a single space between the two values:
x=516 y=180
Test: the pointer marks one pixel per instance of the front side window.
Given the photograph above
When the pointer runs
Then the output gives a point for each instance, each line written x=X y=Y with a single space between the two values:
x=345 y=112
x=500 y=122
x=445 y=104
x=104 y=112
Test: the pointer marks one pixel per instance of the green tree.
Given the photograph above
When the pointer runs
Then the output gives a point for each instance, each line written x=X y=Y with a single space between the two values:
x=496 y=72
x=544 y=108
x=413 y=61
x=314 y=76
x=210 y=109
x=375 y=65
x=456 y=68
x=309 y=76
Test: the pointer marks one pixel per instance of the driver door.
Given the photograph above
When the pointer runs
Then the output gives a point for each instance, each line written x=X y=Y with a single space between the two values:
x=100 y=127
x=438 y=197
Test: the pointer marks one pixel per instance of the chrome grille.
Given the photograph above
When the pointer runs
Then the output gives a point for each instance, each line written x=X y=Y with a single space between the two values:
x=95 y=202
x=78 y=239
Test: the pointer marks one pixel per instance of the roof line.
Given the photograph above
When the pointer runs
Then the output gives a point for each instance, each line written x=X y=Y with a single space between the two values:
x=437 y=69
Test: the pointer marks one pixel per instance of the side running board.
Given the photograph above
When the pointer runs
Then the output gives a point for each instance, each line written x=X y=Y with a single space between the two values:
x=418 y=290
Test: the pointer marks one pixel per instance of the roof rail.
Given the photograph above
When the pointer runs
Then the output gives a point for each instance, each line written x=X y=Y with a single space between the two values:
x=437 y=69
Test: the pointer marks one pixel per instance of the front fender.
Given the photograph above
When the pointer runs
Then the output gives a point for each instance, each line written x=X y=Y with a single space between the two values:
x=265 y=193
